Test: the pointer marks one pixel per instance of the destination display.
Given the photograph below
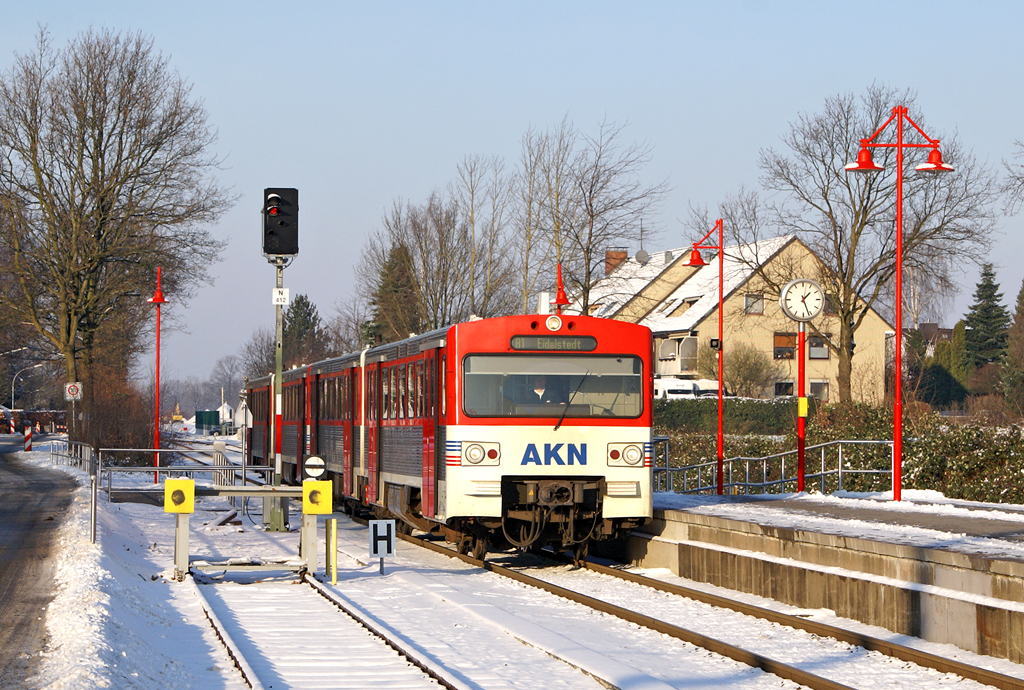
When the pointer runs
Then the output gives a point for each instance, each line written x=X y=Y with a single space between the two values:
x=566 y=343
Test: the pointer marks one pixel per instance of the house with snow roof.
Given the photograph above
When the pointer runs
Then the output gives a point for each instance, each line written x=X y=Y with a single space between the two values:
x=679 y=303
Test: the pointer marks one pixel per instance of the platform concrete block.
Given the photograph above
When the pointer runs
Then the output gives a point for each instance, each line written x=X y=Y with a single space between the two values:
x=1014 y=635
x=962 y=624
x=992 y=625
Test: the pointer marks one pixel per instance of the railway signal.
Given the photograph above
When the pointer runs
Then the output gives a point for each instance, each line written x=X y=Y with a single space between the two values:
x=280 y=245
x=280 y=221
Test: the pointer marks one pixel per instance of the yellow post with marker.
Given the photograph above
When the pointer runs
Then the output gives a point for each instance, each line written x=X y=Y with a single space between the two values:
x=317 y=499
x=180 y=499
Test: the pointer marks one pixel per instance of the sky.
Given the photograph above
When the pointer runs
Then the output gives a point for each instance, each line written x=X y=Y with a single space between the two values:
x=116 y=620
x=358 y=105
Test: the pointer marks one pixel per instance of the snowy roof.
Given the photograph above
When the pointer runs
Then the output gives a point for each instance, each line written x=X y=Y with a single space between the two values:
x=700 y=287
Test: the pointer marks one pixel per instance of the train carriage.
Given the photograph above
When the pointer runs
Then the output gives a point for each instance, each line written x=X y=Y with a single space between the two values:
x=516 y=431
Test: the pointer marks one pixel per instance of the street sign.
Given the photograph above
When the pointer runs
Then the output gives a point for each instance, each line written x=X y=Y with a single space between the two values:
x=73 y=391
x=382 y=538
x=314 y=466
x=281 y=296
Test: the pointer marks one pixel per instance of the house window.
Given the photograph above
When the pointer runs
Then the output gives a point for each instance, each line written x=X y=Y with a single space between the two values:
x=753 y=303
x=783 y=388
x=817 y=346
x=785 y=345
x=819 y=390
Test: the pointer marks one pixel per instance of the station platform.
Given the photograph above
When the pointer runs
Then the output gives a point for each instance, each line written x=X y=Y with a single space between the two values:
x=942 y=570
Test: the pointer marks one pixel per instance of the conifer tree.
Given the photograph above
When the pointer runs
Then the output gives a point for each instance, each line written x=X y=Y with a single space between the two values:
x=958 y=364
x=1012 y=375
x=305 y=338
x=395 y=300
x=987 y=321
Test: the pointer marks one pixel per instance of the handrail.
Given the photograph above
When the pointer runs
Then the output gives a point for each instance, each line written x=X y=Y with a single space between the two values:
x=773 y=471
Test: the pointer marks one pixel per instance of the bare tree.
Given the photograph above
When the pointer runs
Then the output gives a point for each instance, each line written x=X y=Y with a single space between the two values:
x=258 y=355
x=749 y=372
x=611 y=204
x=104 y=175
x=346 y=328
x=481 y=196
x=849 y=220
x=226 y=376
x=527 y=243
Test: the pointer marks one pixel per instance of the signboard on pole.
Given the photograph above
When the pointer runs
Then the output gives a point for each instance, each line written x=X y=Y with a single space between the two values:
x=314 y=466
x=73 y=391
x=382 y=540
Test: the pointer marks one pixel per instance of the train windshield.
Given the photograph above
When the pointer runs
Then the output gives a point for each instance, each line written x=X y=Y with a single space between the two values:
x=552 y=386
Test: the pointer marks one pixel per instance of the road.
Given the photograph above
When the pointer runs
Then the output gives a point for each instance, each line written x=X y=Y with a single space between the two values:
x=33 y=502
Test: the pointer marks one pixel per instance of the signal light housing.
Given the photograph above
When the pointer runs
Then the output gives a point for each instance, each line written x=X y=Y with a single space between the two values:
x=280 y=221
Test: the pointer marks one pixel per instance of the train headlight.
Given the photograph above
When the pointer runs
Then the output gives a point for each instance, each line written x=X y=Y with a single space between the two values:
x=480 y=453
x=553 y=323
x=475 y=453
x=625 y=455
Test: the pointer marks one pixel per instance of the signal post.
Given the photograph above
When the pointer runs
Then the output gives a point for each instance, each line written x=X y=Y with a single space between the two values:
x=280 y=246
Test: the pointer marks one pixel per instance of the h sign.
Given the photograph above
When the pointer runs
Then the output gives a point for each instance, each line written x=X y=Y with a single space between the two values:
x=382 y=538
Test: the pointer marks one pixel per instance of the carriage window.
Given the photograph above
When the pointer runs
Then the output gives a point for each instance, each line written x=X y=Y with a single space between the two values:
x=543 y=385
x=419 y=389
x=402 y=392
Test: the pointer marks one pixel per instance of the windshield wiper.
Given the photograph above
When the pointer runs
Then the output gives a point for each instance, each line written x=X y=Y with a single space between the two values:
x=566 y=410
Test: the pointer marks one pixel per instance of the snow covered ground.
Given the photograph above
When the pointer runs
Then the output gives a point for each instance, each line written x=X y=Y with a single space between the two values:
x=117 y=621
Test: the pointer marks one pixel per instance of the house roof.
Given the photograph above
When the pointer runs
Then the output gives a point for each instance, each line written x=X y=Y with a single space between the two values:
x=699 y=287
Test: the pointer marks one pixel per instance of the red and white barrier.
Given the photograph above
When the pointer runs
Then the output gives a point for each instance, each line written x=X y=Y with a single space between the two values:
x=28 y=437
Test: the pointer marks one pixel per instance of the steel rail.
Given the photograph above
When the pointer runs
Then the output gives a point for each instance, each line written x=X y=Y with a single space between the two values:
x=725 y=649
x=871 y=643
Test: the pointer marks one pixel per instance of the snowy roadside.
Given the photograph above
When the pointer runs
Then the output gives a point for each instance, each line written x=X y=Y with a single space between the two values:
x=114 y=621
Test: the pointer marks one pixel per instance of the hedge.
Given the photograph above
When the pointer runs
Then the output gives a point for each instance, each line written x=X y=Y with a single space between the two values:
x=968 y=461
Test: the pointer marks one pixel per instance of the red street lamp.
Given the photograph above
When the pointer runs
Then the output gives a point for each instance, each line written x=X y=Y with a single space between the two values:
x=696 y=260
x=158 y=299
x=866 y=164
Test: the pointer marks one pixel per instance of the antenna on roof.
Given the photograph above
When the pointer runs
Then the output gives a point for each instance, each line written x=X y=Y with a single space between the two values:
x=642 y=257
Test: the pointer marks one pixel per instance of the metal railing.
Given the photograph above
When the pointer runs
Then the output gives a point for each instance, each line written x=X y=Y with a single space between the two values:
x=71 y=454
x=837 y=460
x=99 y=463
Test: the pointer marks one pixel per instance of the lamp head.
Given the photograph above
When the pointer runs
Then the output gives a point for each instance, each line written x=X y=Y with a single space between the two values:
x=934 y=163
x=695 y=258
x=865 y=163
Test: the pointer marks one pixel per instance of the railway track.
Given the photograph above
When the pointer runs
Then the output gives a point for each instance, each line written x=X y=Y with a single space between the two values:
x=257 y=625
x=789 y=671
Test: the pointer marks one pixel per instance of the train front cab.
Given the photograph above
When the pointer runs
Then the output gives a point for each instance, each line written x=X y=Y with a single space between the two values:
x=562 y=467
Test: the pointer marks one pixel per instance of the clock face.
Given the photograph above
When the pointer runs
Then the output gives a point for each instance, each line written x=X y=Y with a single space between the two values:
x=802 y=299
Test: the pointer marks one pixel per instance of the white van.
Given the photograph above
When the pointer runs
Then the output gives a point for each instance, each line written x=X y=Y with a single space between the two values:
x=672 y=388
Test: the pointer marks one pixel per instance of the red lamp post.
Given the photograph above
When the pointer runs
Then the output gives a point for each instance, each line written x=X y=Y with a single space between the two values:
x=158 y=299
x=696 y=260
x=866 y=164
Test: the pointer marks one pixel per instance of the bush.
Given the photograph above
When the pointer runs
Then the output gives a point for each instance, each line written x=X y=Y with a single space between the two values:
x=739 y=415
x=969 y=461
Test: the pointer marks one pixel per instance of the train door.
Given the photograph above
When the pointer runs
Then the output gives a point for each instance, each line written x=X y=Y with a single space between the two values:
x=426 y=390
x=309 y=417
x=349 y=415
x=373 y=428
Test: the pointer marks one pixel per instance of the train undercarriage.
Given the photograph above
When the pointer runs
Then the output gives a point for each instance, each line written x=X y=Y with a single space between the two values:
x=563 y=514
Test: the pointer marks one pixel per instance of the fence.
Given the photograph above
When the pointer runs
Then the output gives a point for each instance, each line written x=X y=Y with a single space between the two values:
x=849 y=465
x=98 y=464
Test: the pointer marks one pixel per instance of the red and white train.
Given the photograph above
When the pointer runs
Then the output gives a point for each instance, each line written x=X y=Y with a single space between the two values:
x=520 y=431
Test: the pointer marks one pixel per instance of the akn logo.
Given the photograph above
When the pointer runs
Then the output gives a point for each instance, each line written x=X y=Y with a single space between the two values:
x=553 y=454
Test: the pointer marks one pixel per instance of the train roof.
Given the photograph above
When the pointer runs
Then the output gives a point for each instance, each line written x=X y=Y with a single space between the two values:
x=410 y=346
